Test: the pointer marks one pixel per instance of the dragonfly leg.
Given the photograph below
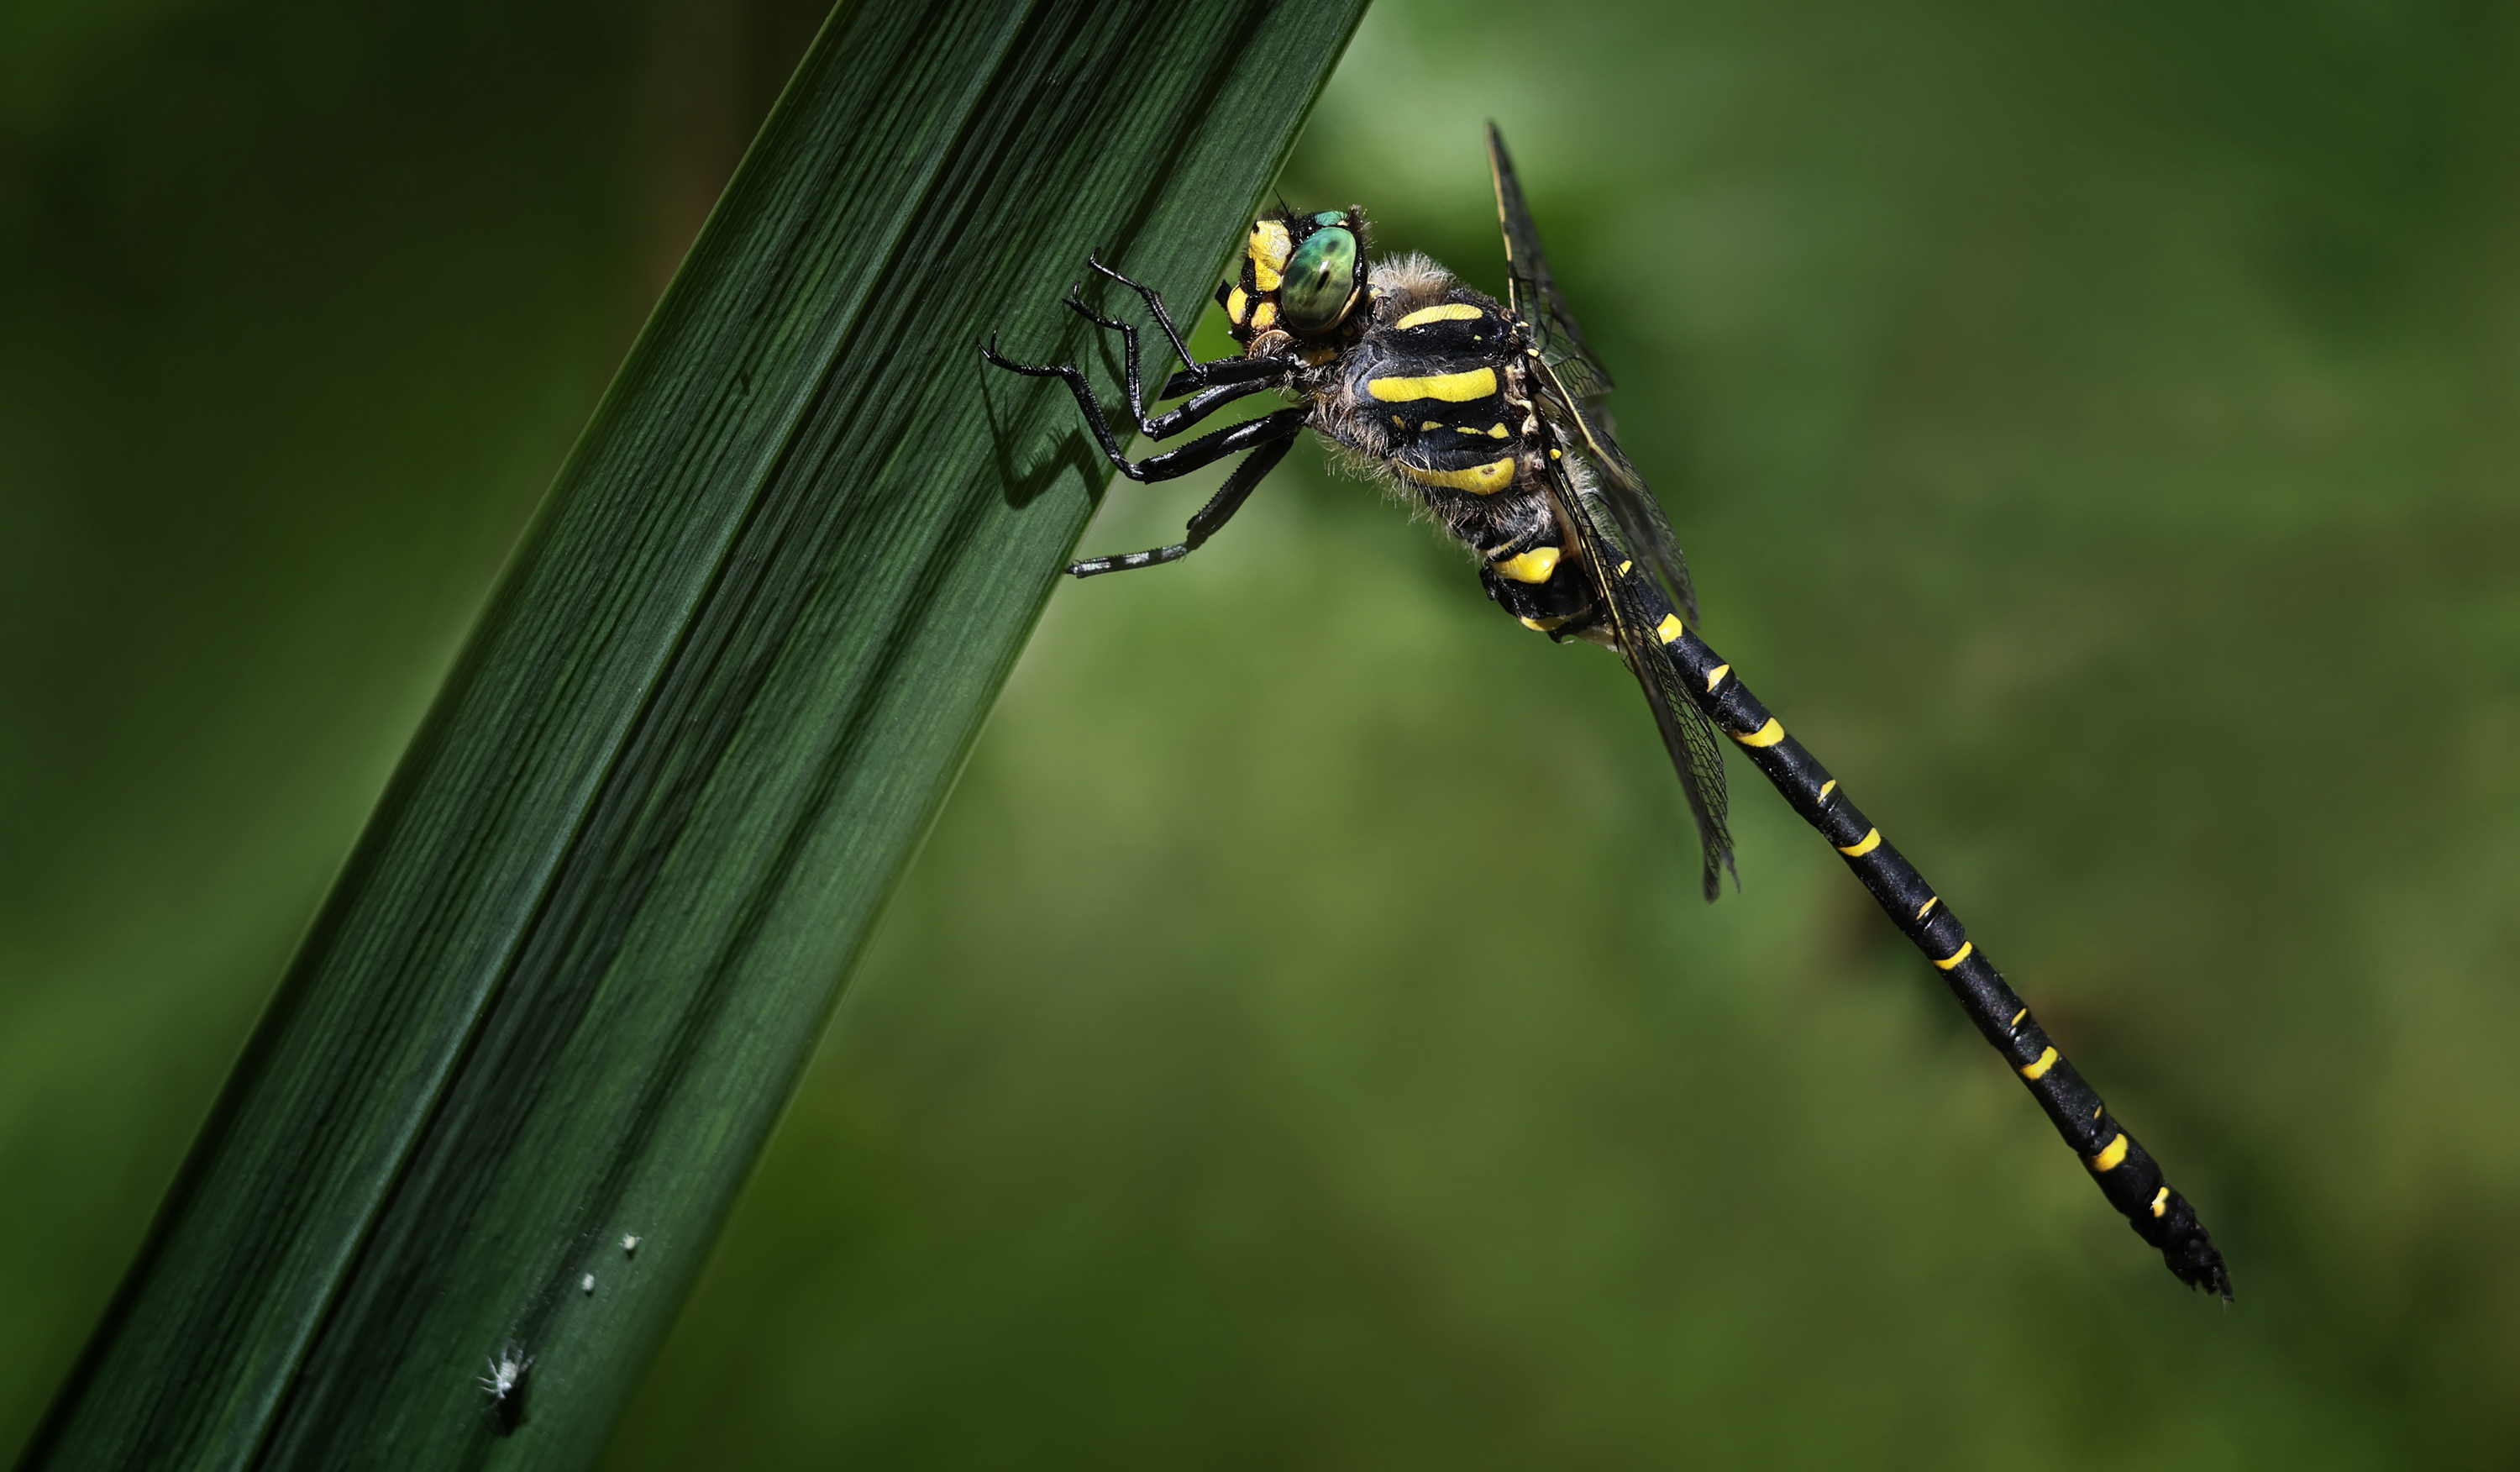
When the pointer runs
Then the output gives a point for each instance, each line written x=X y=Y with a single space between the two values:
x=1267 y=450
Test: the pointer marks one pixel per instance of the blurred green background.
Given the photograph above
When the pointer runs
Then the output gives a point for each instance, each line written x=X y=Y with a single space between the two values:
x=2094 y=427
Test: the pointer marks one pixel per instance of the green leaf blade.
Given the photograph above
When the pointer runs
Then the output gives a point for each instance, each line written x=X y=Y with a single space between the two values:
x=591 y=934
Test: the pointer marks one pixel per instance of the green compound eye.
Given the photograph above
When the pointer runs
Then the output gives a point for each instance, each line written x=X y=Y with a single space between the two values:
x=1320 y=278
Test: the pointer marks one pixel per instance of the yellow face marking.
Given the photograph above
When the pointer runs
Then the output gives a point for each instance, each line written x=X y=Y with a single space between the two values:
x=1870 y=841
x=1534 y=566
x=1715 y=677
x=1235 y=303
x=1541 y=625
x=1767 y=735
x=2037 y=1068
x=1957 y=957
x=1668 y=629
x=1264 y=316
x=1452 y=387
x=2161 y=1201
x=1268 y=247
x=1450 y=312
x=1479 y=480
x=1929 y=904
x=2109 y=1156
x=1825 y=788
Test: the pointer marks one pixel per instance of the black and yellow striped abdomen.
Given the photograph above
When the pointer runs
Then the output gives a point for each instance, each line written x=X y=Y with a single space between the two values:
x=2125 y=1172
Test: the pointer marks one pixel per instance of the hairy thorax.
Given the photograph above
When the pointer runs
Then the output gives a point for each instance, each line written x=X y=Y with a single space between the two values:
x=1432 y=401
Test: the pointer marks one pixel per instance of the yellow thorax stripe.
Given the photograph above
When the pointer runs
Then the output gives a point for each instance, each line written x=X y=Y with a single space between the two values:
x=1450 y=312
x=1452 y=387
x=1478 y=479
x=1534 y=566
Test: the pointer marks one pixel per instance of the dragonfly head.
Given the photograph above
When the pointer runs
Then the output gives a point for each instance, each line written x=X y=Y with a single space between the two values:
x=1303 y=275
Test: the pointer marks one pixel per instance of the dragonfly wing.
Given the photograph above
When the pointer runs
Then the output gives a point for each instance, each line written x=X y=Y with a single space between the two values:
x=1572 y=381
x=1534 y=291
x=1632 y=618
x=1640 y=515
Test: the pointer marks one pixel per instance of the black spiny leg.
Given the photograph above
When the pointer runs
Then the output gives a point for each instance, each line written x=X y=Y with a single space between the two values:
x=1213 y=374
x=1191 y=368
x=1219 y=510
x=1216 y=382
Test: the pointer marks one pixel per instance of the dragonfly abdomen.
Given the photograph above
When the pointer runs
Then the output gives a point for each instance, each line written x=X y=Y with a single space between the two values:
x=2124 y=1170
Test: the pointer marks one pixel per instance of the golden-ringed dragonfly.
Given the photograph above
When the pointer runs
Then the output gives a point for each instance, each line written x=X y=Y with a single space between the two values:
x=1489 y=416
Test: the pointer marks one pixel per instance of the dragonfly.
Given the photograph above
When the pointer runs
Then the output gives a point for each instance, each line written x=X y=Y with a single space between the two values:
x=1490 y=417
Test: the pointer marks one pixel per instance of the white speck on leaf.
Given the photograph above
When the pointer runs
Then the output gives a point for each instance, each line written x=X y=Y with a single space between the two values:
x=507 y=1372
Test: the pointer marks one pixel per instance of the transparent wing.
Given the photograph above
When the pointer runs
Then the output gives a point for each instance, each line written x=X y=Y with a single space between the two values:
x=1631 y=501
x=1632 y=617
x=1534 y=291
x=1572 y=381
